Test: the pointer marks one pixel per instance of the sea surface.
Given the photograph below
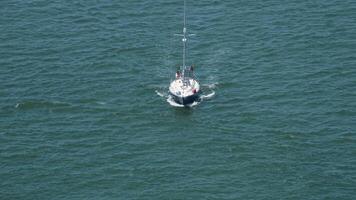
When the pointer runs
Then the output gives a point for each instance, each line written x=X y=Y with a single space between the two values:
x=84 y=111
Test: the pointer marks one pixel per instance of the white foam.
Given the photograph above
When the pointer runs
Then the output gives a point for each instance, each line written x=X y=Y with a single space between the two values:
x=208 y=96
x=160 y=94
x=195 y=103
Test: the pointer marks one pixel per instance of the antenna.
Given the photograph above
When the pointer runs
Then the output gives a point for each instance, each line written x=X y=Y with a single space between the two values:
x=184 y=13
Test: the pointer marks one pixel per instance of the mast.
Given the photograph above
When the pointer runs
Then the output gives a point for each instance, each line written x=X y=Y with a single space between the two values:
x=184 y=40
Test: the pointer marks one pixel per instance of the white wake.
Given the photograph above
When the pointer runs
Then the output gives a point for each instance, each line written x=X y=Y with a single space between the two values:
x=208 y=96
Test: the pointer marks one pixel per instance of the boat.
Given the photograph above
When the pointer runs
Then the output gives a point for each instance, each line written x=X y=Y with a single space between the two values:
x=185 y=88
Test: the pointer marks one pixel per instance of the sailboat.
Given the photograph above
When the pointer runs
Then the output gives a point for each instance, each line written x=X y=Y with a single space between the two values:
x=185 y=88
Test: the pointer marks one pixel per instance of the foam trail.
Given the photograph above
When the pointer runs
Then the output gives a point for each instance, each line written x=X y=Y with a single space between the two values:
x=160 y=94
x=208 y=96
x=194 y=104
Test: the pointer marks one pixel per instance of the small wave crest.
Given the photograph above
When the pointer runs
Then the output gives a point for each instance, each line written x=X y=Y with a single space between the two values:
x=41 y=104
x=101 y=103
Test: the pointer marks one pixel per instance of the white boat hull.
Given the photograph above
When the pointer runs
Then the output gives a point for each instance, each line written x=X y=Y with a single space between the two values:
x=185 y=93
x=185 y=100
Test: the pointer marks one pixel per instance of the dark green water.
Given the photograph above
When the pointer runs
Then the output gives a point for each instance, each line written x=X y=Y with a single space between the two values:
x=80 y=117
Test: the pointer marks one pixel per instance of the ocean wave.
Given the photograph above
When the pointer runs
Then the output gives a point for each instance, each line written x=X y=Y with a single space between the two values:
x=41 y=104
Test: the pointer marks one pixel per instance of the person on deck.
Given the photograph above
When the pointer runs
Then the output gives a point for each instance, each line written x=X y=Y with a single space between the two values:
x=177 y=74
x=191 y=68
